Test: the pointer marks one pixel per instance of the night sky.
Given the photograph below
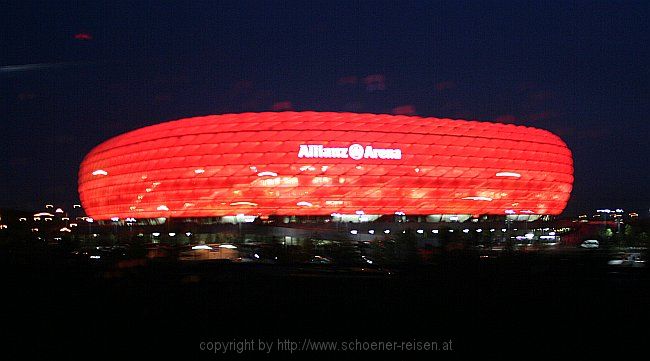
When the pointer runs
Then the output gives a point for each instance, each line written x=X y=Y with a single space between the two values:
x=75 y=74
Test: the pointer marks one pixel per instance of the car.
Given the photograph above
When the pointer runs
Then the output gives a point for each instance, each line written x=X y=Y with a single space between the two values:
x=625 y=259
x=590 y=244
x=319 y=260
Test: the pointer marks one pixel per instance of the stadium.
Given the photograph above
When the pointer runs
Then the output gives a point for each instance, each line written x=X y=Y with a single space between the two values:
x=306 y=167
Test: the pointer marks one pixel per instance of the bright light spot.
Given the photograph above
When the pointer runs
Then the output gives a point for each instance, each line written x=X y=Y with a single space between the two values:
x=479 y=230
x=172 y=234
x=115 y=219
x=58 y=210
x=336 y=214
x=95 y=257
x=188 y=233
x=155 y=234
x=387 y=231
x=491 y=229
x=371 y=231
x=256 y=255
x=451 y=231
x=478 y=198
x=503 y=229
x=43 y=214
x=420 y=231
x=435 y=231
x=417 y=170
x=551 y=233
x=227 y=246
x=509 y=174
x=22 y=219
x=304 y=204
x=267 y=174
x=162 y=208
x=100 y=172
x=89 y=220
x=529 y=236
x=243 y=204
x=465 y=230
x=400 y=213
x=354 y=231
x=510 y=211
x=323 y=168
x=359 y=212
x=199 y=171
x=201 y=246
x=65 y=229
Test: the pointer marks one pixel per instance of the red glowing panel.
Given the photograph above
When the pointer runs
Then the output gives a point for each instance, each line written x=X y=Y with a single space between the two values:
x=312 y=163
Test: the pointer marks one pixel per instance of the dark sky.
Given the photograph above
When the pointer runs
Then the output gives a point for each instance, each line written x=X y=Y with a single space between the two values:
x=75 y=74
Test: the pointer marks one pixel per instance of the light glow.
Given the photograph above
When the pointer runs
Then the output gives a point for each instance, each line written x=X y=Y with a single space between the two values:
x=201 y=246
x=508 y=174
x=478 y=198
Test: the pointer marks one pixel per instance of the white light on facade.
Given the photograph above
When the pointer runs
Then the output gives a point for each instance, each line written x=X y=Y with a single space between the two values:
x=508 y=174
x=252 y=204
x=478 y=198
x=201 y=246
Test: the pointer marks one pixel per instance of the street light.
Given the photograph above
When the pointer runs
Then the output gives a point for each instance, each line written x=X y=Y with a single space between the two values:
x=605 y=212
x=90 y=222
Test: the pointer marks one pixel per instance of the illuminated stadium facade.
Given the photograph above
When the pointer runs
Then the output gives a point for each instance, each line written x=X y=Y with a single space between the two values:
x=340 y=166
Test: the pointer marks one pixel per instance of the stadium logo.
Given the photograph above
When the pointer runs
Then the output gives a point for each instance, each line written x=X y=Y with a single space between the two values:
x=354 y=151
